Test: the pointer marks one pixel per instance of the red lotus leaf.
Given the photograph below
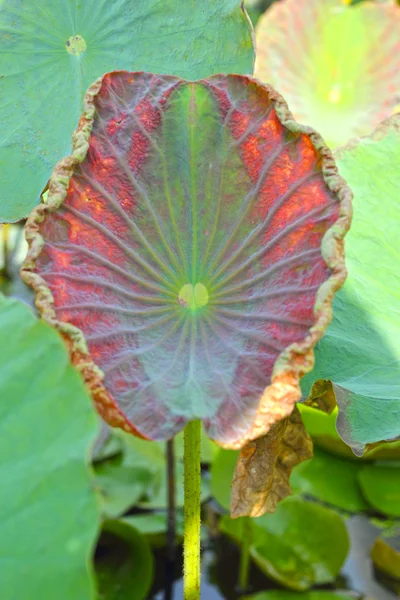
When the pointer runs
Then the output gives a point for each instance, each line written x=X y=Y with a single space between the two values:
x=195 y=238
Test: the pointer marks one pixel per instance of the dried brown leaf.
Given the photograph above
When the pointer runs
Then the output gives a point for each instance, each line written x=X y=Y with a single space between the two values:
x=262 y=472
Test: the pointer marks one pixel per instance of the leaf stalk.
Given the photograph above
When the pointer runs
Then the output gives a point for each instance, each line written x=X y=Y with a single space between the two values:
x=192 y=485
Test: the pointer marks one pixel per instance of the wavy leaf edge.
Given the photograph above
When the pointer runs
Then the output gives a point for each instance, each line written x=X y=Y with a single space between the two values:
x=297 y=359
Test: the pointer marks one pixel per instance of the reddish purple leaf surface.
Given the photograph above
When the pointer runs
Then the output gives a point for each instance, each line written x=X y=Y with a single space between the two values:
x=197 y=243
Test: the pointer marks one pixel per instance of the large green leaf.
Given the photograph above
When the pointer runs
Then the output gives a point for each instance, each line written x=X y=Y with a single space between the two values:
x=195 y=239
x=360 y=352
x=300 y=545
x=330 y=479
x=322 y=428
x=49 y=511
x=380 y=485
x=121 y=486
x=337 y=66
x=52 y=50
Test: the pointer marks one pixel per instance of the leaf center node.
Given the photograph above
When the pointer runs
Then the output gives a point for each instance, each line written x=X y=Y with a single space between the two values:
x=193 y=296
x=75 y=45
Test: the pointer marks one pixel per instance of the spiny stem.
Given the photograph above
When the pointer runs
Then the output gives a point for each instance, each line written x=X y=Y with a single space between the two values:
x=192 y=483
x=171 y=529
x=245 y=555
x=171 y=520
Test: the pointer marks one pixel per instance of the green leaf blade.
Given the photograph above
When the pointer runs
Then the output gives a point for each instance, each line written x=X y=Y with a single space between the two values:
x=45 y=72
x=330 y=479
x=360 y=352
x=380 y=484
x=302 y=544
x=49 y=512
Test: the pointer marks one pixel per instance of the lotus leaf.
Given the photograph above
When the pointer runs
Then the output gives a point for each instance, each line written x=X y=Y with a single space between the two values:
x=121 y=486
x=195 y=238
x=360 y=353
x=322 y=428
x=262 y=472
x=49 y=510
x=330 y=479
x=338 y=66
x=380 y=485
x=52 y=50
x=300 y=545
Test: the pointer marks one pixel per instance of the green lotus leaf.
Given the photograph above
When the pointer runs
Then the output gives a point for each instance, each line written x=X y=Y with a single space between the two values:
x=49 y=511
x=360 y=352
x=300 y=545
x=330 y=479
x=380 y=485
x=120 y=486
x=322 y=428
x=195 y=238
x=124 y=562
x=338 y=66
x=52 y=50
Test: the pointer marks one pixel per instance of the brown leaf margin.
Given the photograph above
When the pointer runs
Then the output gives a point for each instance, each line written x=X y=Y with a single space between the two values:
x=279 y=398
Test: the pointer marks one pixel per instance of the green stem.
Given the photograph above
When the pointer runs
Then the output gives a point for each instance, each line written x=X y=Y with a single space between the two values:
x=192 y=482
x=171 y=522
x=245 y=555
